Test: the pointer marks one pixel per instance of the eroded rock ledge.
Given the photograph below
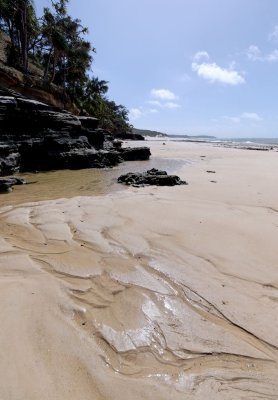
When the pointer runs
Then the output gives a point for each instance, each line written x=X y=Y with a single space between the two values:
x=36 y=136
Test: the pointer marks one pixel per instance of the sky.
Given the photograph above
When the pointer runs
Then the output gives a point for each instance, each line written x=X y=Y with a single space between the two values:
x=193 y=67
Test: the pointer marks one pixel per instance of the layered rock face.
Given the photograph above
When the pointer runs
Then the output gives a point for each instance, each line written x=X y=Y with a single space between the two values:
x=36 y=136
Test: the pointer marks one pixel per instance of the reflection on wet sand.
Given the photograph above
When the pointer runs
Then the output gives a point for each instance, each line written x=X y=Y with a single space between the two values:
x=86 y=182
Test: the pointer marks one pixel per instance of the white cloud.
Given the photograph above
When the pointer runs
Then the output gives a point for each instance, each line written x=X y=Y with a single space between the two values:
x=236 y=120
x=161 y=99
x=168 y=104
x=254 y=54
x=155 y=103
x=200 y=55
x=163 y=94
x=135 y=113
x=274 y=34
x=251 y=116
x=214 y=73
x=171 y=105
x=273 y=56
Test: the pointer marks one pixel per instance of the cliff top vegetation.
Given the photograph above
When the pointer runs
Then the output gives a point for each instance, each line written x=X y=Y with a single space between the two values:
x=55 y=49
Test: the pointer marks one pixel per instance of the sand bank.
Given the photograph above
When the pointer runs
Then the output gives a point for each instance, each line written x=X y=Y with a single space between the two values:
x=147 y=293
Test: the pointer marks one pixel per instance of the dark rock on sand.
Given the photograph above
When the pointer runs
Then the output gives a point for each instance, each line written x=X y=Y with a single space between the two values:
x=135 y=154
x=7 y=183
x=5 y=187
x=150 y=177
x=130 y=136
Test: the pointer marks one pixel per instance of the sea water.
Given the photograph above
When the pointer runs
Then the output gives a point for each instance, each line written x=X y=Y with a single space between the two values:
x=263 y=141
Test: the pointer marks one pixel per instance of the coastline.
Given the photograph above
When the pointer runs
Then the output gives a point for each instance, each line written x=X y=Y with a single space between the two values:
x=148 y=292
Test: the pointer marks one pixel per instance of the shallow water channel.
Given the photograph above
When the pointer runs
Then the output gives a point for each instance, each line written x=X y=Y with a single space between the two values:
x=85 y=182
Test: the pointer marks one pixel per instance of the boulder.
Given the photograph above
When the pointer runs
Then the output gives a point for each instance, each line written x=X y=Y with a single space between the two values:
x=135 y=154
x=5 y=187
x=7 y=183
x=150 y=177
x=129 y=136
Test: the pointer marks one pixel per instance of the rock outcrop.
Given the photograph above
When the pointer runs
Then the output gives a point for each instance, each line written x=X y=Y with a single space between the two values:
x=36 y=136
x=130 y=136
x=6 y=184
x=135 y=153
x=150 y=177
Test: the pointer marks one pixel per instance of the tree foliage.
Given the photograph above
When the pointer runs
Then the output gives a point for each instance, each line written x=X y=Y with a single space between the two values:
x=65 y=54
x=18 y=20
x=92 y=100
x=59 y=43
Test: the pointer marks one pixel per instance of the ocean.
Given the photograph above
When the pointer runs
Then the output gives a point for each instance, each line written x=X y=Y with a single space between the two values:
x=245 y=141
x=266 y=141
x=228 y=141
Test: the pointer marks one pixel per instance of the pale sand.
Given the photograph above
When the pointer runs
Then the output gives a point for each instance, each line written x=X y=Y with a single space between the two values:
x=147 y=293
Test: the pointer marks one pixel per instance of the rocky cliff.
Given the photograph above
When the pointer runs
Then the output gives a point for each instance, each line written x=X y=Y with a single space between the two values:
x=37 y=136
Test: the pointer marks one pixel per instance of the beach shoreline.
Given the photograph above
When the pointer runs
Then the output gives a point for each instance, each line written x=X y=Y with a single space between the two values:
x=146 y=293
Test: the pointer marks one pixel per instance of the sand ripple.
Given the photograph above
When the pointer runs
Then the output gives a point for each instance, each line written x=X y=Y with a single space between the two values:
x=151 y=293
x=114 y=302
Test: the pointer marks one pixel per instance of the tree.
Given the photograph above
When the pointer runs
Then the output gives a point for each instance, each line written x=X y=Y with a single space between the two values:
x=54 y=42
x=18 y=20
x=58 y=41
x=92 y=100
x=67 y=55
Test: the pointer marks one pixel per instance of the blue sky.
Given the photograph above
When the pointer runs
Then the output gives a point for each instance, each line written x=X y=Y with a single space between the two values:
x=188 y=66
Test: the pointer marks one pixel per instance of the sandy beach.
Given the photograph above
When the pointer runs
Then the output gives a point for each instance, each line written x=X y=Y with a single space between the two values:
x=146 y=293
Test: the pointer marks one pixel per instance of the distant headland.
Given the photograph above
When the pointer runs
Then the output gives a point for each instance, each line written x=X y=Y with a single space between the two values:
x=147 y=132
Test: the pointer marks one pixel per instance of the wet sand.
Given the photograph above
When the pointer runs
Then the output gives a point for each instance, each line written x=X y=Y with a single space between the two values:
x=85 y=182
x=146 y=293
